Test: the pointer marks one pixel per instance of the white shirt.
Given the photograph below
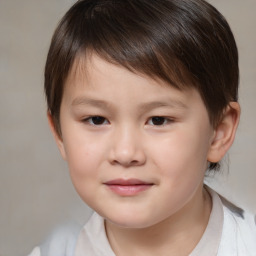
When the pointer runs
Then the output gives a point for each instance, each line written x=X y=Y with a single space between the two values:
x=229 y=232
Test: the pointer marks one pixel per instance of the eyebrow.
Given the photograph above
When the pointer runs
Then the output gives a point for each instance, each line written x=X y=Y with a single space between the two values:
x=167 y=102
x=89 y=101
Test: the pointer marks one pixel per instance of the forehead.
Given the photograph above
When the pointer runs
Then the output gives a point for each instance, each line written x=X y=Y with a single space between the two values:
x=94 y=80
x=90 y=64
x=90 y=70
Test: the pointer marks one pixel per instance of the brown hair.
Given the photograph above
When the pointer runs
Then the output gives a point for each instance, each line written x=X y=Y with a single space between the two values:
x=186 y=43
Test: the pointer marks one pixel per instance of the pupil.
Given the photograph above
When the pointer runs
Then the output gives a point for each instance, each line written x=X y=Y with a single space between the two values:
x=158 y=120
x=98 y=120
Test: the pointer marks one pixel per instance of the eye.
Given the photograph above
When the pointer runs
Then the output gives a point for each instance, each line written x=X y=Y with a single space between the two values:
x=96 y=120
x=158 y=120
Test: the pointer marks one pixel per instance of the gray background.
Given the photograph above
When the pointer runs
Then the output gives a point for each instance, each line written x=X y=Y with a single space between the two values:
x=35 y=191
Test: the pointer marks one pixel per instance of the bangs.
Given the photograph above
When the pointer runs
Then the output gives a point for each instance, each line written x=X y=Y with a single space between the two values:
x=141 y=41
x=183 y=43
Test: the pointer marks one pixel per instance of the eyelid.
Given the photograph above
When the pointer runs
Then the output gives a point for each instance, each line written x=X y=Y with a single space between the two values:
x=167 y=120
x=89 y=120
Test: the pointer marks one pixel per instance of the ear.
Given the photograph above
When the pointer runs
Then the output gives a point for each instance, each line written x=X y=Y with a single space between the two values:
x=56 y=135
x=224 y=134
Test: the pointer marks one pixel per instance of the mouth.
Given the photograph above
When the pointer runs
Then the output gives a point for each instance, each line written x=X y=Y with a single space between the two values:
x=130 y=187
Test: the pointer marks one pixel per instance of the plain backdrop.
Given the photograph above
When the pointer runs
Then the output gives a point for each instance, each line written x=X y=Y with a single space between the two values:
x=35 y=191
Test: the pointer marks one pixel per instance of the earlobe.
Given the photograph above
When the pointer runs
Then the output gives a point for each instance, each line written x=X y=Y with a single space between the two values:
x=224 y=134
x=56 y=135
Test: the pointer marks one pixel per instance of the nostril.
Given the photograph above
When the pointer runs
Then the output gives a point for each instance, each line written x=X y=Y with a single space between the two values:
x=135 y=162
x=126 y=161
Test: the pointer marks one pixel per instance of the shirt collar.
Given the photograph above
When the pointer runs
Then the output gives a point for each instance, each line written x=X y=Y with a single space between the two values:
x=210 y=241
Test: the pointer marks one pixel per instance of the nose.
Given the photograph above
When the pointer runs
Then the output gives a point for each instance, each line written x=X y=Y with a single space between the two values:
x=127 y=148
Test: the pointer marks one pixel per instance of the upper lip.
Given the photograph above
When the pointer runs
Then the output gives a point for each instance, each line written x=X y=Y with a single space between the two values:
x=127 y=182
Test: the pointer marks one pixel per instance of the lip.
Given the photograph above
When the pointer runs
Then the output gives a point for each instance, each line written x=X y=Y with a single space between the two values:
x=130 y=187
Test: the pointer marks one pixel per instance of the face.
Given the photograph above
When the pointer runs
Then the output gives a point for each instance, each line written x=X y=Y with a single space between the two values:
x=136 y=148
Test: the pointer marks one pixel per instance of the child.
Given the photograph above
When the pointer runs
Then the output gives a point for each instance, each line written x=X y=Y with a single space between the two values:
x=142 y=100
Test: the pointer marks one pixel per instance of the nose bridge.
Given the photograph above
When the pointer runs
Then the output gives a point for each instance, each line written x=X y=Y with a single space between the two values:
x=127 y=148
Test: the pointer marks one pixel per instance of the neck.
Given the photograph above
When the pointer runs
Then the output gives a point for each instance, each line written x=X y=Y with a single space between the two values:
x=176 y=235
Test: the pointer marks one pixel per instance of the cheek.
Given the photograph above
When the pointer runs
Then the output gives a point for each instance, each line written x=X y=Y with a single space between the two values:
x=84 y=156
x=83 y=162
x=182 y=156
x=181 y=164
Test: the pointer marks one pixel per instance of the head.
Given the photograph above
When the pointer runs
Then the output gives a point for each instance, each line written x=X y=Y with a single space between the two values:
x=187 y=44
x=131 y=54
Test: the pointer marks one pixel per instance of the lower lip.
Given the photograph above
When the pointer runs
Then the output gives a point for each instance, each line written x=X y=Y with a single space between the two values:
x=129 y=190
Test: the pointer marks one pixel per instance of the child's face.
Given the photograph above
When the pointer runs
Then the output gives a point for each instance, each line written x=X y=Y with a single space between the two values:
x=136 y=148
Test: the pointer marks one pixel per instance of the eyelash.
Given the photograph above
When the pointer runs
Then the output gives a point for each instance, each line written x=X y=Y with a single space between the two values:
x=163 y=119
x=103 y=121
x=89 y=120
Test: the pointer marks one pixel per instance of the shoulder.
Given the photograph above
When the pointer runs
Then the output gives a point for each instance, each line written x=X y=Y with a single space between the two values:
x=73 y=239
x=35 y=252
x=61 y=242
x=239 y=218
x=239 y=230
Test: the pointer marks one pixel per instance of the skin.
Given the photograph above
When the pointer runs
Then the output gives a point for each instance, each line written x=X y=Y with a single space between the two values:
x=149 y=131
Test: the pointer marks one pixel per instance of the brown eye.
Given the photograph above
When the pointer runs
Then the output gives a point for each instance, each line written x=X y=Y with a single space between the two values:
x=96 y=120
x=158 y=120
